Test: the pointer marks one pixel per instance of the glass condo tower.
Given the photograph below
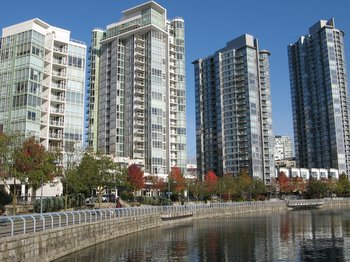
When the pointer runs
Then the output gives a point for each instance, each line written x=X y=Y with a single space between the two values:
x=141 y=107
x=42 y=84
x=320 y=99
x=233 y=111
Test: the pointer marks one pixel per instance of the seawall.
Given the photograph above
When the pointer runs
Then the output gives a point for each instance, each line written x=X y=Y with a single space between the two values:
x=55 y=243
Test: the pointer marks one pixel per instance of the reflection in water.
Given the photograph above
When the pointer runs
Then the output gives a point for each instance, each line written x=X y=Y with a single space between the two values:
x=309 y=235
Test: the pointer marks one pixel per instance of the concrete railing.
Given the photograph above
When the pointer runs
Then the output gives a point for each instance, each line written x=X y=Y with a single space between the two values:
x=59 y=234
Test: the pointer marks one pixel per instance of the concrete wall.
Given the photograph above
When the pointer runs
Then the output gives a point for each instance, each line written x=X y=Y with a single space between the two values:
x=55 y=243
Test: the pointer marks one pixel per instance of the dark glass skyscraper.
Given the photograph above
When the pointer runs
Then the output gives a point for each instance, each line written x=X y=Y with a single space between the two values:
x=320 y=99
x=233 y=110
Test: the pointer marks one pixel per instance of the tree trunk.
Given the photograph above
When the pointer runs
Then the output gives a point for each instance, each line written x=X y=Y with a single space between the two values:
x=14 y=200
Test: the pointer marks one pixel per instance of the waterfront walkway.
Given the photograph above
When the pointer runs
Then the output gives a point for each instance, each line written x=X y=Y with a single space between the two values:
x=45 y=237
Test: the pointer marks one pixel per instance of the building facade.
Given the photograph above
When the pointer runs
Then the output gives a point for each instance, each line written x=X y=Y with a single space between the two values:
x=94 y=61
x=42 y=84
x=320 y=99
x=233 y=111
x=283 y=147
x=142 y=91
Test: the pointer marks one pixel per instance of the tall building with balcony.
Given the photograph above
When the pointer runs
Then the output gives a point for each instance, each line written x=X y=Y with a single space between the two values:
x=42 y=83
x=320 y=99
x=142 y=91
x=233 y=111
x=283 y=147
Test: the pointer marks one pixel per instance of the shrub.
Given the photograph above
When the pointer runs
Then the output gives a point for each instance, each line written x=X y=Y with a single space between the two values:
x=51 y=204
x=5 y=198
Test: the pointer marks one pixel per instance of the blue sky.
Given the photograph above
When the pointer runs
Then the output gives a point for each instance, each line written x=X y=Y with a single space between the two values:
x=209 y=25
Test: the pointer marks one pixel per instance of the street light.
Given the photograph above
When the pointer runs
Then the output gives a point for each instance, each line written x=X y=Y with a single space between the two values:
x=41 y=195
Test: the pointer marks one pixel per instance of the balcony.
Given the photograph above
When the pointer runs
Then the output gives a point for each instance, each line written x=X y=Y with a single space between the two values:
x=139 y=54
x=139 y=61
x=139 y=91
x=139 y=115
x=59 y=49
x=58 y=123
x=139 y=107
x=57 y=136
x=139 y=68
x=139 y=139
x=139 y=131
x=60 y=62
x=61 y=85
x=139 y=76
x=55 y=148
x=57 y=98
x=56 y=110
x=139 y=84
x=139 y=99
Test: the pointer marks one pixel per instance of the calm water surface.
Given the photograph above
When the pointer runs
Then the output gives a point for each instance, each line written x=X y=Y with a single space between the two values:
x=308 y=235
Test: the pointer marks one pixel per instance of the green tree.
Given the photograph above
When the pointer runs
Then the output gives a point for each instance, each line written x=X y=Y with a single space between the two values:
x=196 y=188
x=315 y=189
x=105 y=176
x=9 y=143
x=83 y=177
x=258 y=189
x=73 y=155
x=343 y=185
x=244 y=182
x=227 y=186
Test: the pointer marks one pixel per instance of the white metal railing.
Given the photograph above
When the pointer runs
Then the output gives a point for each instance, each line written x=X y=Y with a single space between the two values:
x=31 y=223
x=58 y=86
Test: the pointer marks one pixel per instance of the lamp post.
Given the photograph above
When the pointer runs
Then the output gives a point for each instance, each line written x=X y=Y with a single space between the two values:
x=169 y=189
x=41 y=195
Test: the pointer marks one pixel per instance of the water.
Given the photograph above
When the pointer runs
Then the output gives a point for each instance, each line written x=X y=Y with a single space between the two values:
x=307 y=235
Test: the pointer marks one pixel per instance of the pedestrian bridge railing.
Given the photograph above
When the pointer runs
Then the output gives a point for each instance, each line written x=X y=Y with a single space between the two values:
x=31 y=223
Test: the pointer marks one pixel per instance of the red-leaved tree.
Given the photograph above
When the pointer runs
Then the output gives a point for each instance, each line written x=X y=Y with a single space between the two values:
x=135 y=177
x=177 y=181
x=211 y=181
x=283 y=182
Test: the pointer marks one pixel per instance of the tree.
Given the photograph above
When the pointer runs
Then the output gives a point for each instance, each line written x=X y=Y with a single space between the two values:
x=95 y=172
x=211 y=182
x=196 y=188
x=105 y=176
x=34 y=164
x=227 y=186
x=258 y=189
x=157 y=183
x=343 y=185
x=83 y=177
x=177 y=181
x=72 y=157
x=244 y=182
x=8 y=145
x=283 y=182
x=135 y=177
x=315 y=189
x=297 y=185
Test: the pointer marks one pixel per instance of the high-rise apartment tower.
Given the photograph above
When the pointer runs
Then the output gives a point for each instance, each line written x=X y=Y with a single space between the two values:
x=142 y=94
x=42 y=84
x=283 y=147
x=320 y=98
x=233 y=111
